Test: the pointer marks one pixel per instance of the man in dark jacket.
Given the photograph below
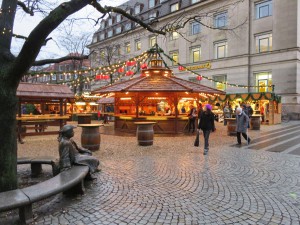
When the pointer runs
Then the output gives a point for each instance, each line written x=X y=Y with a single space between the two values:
x=207 y=125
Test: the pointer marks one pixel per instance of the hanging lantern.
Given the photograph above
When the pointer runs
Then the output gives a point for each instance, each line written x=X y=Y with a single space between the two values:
x=180 y=68
x=129 y=73
x=121 y=70
x=144 y=66
x=199 y=78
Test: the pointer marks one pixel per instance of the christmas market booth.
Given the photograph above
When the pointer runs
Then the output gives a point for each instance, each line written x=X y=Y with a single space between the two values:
x=40 y=106
x=156 y=96
x=266 y=105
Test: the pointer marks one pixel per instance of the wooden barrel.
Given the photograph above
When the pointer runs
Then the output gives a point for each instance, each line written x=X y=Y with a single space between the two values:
x=231 y=127
x=90 y=138
x=145 y=134
x=84 y=118
x=255 y=123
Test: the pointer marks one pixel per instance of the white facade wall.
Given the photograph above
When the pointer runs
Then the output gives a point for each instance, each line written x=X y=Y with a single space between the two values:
x=242 y=62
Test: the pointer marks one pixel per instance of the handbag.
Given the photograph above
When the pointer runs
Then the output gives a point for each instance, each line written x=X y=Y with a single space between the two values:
x=197 y=140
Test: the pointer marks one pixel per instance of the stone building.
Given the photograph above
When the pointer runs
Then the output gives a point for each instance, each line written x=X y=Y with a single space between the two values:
x=239 y=42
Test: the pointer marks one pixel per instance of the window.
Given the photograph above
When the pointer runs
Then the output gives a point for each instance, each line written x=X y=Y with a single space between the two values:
x=263 y=9
x=128 y=26
x=196 y=54
x=195 y=1
x=152 y=41
x=61 y=68
x=264 y=81
x=102 y=36
x=118 y=18
x=220 y=20
x=109 y=33
x=118 y=30
x=174 y=7
x=137 y=9
x=95 y=39
x=221 y=82
x=151 y=3
x=110 y=21
x=68 y=77
x=161 y=1
x=102 y=25
x=138 y=45
x=195 y=28
x=263 y=43
x=175 y=57
x=61 y=77
x=152 y=15
x=127 y=47
x=53 y=77
x=220 y=49
x=174 y=35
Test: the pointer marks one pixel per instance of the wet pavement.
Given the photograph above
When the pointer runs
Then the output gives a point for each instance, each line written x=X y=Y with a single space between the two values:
x=172 y=182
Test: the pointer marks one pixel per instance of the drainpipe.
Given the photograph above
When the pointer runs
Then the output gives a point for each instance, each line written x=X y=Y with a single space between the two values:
x=249 y=44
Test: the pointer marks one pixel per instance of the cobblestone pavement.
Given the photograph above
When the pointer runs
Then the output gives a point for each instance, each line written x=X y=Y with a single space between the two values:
x=172 y=182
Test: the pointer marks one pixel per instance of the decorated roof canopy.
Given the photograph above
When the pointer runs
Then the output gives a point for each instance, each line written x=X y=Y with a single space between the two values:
x=157 y=79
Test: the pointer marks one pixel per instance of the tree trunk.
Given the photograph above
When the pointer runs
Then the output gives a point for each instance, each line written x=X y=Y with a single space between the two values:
x=8 y=140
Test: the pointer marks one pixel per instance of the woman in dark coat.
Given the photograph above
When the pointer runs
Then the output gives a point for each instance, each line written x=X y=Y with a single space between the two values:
x=70 y=153
x=207 y=125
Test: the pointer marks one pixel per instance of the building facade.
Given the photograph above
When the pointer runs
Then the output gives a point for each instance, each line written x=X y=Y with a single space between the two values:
x=250 y=43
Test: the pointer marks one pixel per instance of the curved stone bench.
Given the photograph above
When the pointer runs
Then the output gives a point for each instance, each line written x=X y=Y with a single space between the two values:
x=36 y=164
x=70 y=180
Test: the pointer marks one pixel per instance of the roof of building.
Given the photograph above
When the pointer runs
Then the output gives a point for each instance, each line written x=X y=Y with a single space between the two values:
x=157 y=83
x=109 y=100
x=47 y=91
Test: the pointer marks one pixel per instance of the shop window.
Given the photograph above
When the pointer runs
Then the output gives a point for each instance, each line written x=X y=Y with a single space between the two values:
x=175 y=56
x=127 y=47
x=174 y=35
x=195 y=28
x=152 y=41
x=220 y=49
x=220 y=20
x=263 y=43
x=175 y=7
x=220 y=82
x=196 y=54
x=263 y=9
x=264 y=81
x=138 y=45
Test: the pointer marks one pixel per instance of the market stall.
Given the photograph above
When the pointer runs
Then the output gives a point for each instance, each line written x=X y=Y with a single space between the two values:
x=265 y=105
x=156 y=96
x=40 y=106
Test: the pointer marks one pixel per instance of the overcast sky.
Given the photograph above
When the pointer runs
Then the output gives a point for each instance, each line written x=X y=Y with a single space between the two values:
x=24 y=25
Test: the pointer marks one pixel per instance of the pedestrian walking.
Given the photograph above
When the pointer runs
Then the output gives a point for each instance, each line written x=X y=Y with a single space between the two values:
x=227 y=114
x=192 y=118
x=207 y=125
x=242 y=121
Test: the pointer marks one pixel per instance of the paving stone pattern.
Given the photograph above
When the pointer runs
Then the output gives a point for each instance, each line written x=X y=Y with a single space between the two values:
x=172 y=182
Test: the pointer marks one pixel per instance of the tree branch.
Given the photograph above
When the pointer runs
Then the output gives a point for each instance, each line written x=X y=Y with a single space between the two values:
x=58 y=60
x=25 y=9
x=108 y=9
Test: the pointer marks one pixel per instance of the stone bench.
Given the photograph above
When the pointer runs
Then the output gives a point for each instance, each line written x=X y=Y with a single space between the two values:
x=36 y=164
x=69 y=181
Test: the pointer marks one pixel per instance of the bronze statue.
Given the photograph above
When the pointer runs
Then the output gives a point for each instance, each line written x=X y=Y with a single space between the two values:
x=70 y=154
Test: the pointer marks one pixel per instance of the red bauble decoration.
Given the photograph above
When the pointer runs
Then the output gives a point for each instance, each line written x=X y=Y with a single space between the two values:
x=121 y=70
x=129 y=73
x=144 y=66
x=199 y=78
x=181 y=68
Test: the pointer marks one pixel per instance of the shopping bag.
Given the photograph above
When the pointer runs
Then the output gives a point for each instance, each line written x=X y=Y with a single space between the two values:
x=196 y=143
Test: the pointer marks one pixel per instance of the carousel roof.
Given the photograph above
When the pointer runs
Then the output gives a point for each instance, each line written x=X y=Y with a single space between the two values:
x=157 y=83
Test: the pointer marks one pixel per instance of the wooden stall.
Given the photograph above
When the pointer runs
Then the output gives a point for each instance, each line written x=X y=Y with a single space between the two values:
x=156 y=96
x=50 y=107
